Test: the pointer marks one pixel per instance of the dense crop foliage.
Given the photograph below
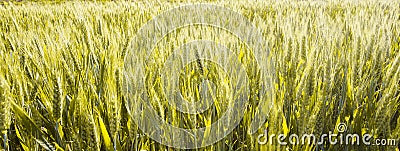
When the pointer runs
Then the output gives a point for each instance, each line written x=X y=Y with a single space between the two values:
x=61 y=73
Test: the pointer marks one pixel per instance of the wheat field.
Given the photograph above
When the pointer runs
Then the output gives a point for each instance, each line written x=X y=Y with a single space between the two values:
x=62 y=73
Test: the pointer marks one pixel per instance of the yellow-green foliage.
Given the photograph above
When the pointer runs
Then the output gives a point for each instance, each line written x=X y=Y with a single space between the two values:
x=62 y=65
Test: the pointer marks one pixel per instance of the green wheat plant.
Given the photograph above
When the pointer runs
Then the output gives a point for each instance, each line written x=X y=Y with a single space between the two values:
x=62 y=73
